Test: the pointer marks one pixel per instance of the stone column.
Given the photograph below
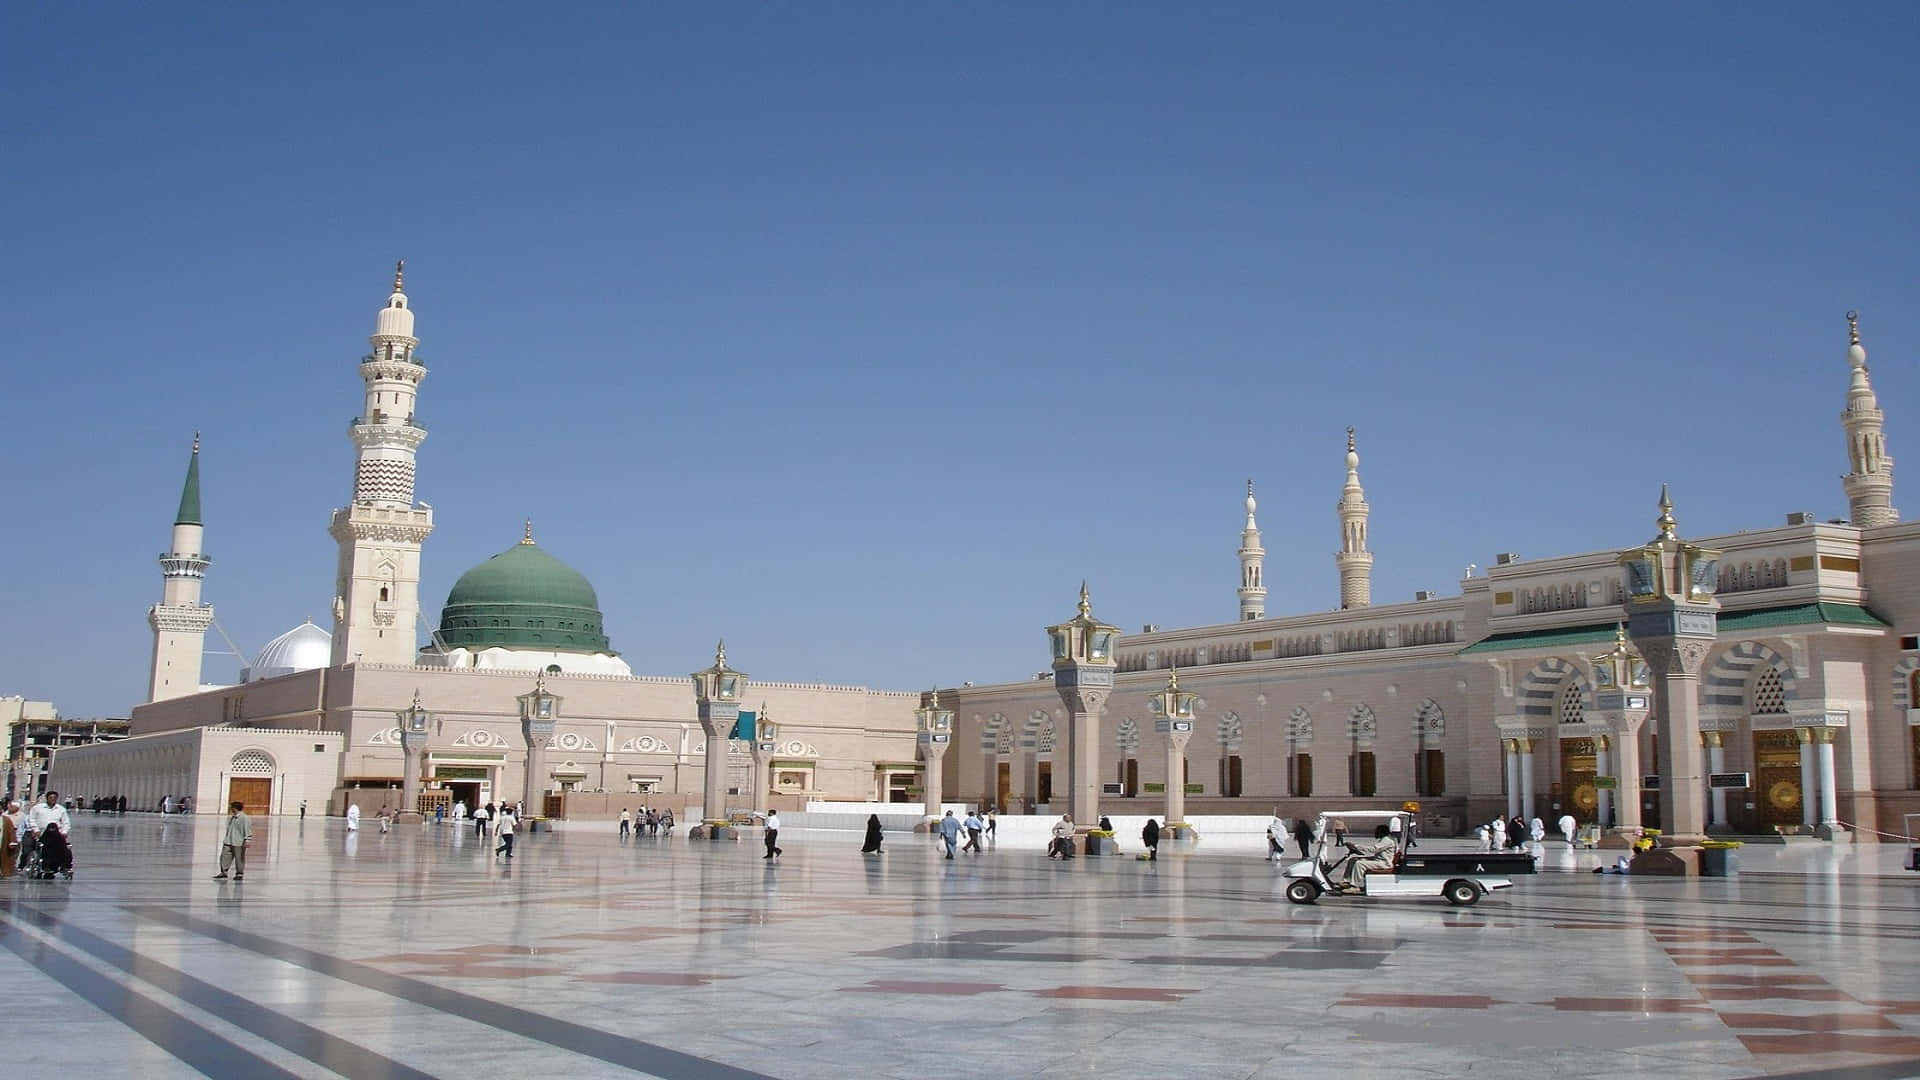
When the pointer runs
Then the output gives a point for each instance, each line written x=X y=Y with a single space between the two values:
x=1511 y=749
x=1526 y=777
x=1627 y=809
x=1809 y=793
x=1176 y=777
x=531 y=803
x=1676 y=688
x=1716 y=762
x=713 y=795
x=1829 y=788
x=1084 y=707
x=933 y=755
x=409 y=780
x=1603 y=799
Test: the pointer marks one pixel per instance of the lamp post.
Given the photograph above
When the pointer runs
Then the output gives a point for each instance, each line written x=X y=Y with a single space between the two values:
x=766 y=737
x=1673 y=619
x=717 y=692
x=1622 y=693
x=413 y=740
x=933 y=734
x=538 y=711
x=1083 y=666
x=1173 y=710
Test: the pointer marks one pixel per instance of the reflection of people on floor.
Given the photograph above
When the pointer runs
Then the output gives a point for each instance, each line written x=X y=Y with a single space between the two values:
x=1374 y=858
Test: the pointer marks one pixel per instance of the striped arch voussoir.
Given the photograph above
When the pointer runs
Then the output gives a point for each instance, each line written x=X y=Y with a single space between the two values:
x=1903 y=682
x=1725 y=685
x=1540 y=690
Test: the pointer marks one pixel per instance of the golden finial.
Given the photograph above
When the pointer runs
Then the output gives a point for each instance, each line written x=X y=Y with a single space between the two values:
x=1173 y=679
x=1853 y=328
x=527 y=537
x=720 y=654
x=416 y=697
x=196 y=442
x=935 y=703
x=1666 y=522
x=399 y=275
x=1086 y=605
x=1349 y=438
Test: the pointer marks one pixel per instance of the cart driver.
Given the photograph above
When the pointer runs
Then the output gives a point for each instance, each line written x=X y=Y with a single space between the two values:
x=1376 y=857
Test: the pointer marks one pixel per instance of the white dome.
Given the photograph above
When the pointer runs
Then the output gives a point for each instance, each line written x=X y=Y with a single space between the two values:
x=302 y=648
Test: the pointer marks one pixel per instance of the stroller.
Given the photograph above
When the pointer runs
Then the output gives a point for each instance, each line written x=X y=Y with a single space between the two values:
x=51 y=855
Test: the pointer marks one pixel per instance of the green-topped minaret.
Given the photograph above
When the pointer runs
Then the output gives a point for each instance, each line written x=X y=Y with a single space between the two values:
x=180 y=620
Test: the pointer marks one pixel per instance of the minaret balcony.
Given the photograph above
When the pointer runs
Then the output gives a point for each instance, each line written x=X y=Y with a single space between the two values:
x=401 y=433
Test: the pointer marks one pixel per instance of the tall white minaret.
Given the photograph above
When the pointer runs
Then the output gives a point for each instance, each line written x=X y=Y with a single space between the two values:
x=376 y=598
x=1869 y=484
x=1253 y=558
x=1354 y=560
x=180 y=620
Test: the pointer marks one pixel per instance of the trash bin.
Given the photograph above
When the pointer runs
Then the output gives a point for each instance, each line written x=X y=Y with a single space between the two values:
x=1718 y=862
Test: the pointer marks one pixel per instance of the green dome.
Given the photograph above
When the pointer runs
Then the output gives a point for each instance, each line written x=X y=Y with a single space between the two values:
x=523 y=598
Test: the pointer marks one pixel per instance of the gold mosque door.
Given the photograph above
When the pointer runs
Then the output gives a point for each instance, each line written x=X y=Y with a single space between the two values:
x=1776 y=777
x=1578 y=767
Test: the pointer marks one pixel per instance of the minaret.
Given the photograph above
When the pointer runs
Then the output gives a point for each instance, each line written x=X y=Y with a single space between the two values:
x=1869 y=485
x=1253 y=557
x=1354 y=560
x=180 y=620
x=376 y=599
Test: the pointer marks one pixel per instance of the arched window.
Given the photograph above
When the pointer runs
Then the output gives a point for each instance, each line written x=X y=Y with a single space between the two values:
x=1769 y=697
x=1573 y=707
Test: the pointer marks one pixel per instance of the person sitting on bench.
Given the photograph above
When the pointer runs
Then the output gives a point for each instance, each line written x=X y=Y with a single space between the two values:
x=1376 y=857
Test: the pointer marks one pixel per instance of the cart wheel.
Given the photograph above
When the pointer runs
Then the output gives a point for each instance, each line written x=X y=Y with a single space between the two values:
x=1302 y=891
x=1461 y=893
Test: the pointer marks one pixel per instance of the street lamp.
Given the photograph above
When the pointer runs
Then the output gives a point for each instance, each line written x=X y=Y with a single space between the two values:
x=766 y=735
x=1622 y=691
x=413 y=740
x=1173 y=710
x=717 y=692
x=1083 y=667
x=539 y=708
x=933 y=734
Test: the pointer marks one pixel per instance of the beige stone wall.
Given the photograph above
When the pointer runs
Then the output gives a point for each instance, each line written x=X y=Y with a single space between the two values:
x=197 y=762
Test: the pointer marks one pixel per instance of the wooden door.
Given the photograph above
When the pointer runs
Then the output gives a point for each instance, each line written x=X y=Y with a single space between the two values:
x=1044 y=782
x=255 y=794
x=1580 y=796
x=1132 y=776
x=1004 y=785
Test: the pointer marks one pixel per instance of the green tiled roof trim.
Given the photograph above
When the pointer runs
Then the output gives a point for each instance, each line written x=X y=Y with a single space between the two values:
x=1540 y=639
x=1801 y=615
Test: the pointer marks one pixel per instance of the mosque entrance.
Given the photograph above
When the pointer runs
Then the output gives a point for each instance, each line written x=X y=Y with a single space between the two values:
x=1776 y=779
x=254 y=795
x=463 y=791
x=1578 y=766
x=1003 y=789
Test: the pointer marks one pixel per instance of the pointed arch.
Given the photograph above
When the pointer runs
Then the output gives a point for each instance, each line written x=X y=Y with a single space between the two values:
x=1429 y=719
x=1539 y=692
x=1299 y=725
x=1734 y=672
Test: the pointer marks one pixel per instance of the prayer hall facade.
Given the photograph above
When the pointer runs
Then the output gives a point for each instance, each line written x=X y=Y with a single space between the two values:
x=1522 y=695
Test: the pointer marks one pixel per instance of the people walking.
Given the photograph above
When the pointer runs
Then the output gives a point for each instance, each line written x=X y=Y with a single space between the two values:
x=1497 y=834
x=993 y=824
x=1276 y=837
x=1150 y=836
x=10 y=825
x=1568 y=828
x=504 y=829
x=482 y=817
x=949 y=831
x=974 y=827
x=353 y=817
x=1537 y=832
x=233 y=843
x=386 y=819
x=626 y=823
x=303 y=809
x=872 y=844
x=1303 y=835
x=773 y=834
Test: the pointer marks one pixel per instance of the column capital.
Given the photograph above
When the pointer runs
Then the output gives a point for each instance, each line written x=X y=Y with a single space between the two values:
x=1824 y=734
x=1711 y=739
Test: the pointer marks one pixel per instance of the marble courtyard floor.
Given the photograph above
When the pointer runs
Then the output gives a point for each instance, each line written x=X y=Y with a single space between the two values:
x=414 y=954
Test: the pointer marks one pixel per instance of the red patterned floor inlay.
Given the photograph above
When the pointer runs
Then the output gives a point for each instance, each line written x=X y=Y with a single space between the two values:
x=886 y=986
x=1591 y=926
x=1629 y=1004
x=997 y=915
x=1171 y=919
x=1708 y=950
x=1734 y=961
x=1114 y=993
x=1701 y=935
x=1831 y=1042
x=1419 y=1001
x=1816 y=1022
x=638 y=933
x=653 y=978
x=488 y=971
x=1716 y=978
x=1784 y=993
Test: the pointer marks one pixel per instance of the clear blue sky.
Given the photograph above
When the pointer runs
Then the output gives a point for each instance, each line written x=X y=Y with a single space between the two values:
x=861 y=333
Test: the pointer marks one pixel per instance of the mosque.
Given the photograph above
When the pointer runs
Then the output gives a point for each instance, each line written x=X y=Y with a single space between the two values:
x=1784 y=690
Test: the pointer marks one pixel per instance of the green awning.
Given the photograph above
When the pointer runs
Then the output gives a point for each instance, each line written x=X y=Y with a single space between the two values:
x=1543 y=639
x=1800 y=615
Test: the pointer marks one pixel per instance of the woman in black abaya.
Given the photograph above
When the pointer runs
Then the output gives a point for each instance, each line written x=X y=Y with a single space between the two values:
x=872 y=846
